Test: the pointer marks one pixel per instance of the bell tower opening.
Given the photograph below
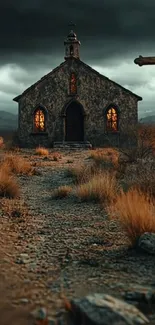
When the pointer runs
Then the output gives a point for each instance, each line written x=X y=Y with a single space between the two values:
x=72 y=45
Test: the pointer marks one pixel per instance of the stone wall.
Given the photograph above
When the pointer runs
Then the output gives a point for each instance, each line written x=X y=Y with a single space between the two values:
x=95 y=93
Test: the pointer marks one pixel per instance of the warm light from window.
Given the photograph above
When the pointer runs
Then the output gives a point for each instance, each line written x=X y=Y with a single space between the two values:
x=112 y=120
x=73 y=87
x=39 y=120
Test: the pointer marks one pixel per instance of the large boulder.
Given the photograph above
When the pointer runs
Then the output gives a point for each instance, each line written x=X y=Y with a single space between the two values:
x=147 y=243
x=103 y=309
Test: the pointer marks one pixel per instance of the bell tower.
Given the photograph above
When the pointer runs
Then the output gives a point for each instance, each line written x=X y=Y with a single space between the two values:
x=72 y=45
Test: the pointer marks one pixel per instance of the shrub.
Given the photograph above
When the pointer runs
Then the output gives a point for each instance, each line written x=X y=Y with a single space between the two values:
x=82 y=173
x=17 y=165
x=41 y=151
x=141 y=175
x=135 y=212
x=101 y=187
x=61 y=191
x=56 y=156
x=8 y=185
x=106 y=154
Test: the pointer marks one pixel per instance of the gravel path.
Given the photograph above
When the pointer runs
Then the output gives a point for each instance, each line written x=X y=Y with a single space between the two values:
x=70 y=246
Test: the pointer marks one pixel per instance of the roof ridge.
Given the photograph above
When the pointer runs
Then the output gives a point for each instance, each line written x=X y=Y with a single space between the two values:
x=102 y=76
x=88 y=67
x=37 y=82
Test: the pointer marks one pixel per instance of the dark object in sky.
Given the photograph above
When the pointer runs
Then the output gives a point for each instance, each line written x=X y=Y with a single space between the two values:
x=144 y=60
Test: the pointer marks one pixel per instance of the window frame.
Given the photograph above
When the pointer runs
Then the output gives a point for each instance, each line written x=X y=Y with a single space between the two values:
x=110 y=130
x=35 y=129
x=70 y=84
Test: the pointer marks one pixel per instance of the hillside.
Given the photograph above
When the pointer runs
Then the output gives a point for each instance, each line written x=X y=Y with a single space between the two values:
x=148 y=119
x=8 y=121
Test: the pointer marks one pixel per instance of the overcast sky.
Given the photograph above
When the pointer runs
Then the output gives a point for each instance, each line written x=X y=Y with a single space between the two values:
x=112 y=34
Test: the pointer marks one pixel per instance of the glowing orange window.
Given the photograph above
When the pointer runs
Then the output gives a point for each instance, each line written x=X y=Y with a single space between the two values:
x=39 y=121
x=73 y=86
x=112 y=120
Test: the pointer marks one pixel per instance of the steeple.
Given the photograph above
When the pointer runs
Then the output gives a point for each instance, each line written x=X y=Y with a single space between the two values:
x=72 y=45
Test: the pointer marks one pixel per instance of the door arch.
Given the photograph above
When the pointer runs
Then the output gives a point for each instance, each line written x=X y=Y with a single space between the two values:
x=74 y=122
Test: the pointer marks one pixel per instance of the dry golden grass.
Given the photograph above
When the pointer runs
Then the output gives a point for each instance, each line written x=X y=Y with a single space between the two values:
x=41 y=151
x=16 y=164
x=102 y=188
x=8 y=185
x=61 y=191
x=56 y=156
x=82 y=173
x=135 y=212
x=105 y=154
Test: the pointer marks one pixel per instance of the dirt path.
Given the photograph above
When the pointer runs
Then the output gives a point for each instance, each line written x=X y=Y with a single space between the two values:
x=69 y=245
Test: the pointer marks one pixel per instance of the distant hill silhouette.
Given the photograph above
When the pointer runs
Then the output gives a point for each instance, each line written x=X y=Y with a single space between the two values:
x=148 y=119
x=8 y=121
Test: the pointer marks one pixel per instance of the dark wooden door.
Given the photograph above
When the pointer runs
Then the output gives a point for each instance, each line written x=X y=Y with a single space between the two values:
x=74 y=123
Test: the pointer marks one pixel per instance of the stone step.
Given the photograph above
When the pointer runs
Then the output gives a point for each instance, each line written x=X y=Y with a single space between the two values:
x=72 y=145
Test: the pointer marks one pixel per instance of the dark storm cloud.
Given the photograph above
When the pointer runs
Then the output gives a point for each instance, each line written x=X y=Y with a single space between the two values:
x=105 y=28
x=112 y=34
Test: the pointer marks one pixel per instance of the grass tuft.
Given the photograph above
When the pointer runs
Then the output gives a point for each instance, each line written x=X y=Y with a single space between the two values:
x=135 y=212
x=41 y=151
x=16 y=164
x=100 y=188
x=9 y=187
x=82 y=173
x=56 y=156
x=61 y=192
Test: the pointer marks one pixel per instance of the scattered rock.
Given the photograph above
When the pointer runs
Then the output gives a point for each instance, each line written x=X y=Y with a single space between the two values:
x=39 y=314
x=24 y=300
x=102 y=309
x=90 y=262
x=23 y=259
x=147 y=243
x=140 y=294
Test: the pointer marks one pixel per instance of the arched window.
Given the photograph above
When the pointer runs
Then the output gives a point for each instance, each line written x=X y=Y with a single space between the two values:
x=73 y=86
x=39 y=120
x=111 y=119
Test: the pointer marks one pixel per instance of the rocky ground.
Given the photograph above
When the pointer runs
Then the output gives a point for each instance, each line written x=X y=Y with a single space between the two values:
x=62 y=247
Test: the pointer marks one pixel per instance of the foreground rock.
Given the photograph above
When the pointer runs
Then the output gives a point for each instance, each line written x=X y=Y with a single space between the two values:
x=147 y=243
x=102 y=309
x=140 y=294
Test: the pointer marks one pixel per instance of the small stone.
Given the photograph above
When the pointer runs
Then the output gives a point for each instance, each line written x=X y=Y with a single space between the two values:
x=24 y=300
x=140 y=294
x=23 y=259
x=40 y=314
x=147 y=243
x=26 y=281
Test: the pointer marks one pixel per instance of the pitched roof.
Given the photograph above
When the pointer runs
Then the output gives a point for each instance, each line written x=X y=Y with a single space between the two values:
x=87 y=67
x=37 y=82
x=103 y=77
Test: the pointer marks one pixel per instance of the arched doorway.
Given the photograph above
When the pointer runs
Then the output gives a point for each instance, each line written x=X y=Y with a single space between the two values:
x=74 y=123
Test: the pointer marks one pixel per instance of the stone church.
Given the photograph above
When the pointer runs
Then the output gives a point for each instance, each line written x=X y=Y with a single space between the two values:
x=75 y=105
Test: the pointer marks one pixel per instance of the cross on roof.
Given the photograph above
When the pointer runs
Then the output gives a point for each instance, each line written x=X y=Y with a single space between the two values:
x=71 y=24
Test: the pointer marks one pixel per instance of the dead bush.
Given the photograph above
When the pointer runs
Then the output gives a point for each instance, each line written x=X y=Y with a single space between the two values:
x=8 y=185
x=141 y=175
x=135 y=213
x=102 y=187
x=16 y=164
x=61 y=192
x=56 y=156
x=82 y=173
x=41 y=151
